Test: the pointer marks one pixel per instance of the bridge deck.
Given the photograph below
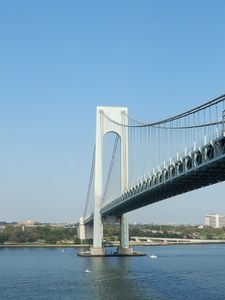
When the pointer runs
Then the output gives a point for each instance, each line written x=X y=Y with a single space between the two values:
x=200 y=168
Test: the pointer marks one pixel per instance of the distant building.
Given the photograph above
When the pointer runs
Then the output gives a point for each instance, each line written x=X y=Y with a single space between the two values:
x=27 y=223
x=2 y=227
x=215 y=220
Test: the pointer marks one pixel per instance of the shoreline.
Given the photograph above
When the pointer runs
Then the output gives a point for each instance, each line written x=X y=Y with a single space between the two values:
x=44 y=246
x=146 y=244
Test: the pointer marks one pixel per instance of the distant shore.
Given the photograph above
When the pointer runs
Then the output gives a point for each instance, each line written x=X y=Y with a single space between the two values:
x=23 y=245
x=200 y=242
x=115 y=244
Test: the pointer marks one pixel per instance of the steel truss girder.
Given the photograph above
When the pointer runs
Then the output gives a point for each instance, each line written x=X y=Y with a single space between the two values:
x=200 y=168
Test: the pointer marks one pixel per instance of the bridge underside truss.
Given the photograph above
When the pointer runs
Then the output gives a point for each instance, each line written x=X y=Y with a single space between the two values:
x=200 y=168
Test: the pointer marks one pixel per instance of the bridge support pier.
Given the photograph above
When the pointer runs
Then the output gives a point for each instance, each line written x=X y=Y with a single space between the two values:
x=124 y=236
x=85 y=232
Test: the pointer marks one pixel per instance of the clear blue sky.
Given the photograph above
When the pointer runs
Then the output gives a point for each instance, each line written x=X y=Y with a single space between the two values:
x=60 y=59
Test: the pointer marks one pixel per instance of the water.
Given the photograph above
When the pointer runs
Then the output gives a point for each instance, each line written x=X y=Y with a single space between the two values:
x=179 y=272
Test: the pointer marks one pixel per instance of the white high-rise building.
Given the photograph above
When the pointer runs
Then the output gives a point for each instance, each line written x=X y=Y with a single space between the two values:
x=215 y=220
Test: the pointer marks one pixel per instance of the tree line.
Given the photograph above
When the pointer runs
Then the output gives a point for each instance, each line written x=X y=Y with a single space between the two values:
x=53 y=235
x=45 y=234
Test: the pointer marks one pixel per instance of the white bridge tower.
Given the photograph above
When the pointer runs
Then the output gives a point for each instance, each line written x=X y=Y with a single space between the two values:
x=103 y=126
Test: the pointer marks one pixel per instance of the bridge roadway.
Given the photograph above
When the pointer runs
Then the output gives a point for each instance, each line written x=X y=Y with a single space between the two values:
x=200 y=168
x=153 y=241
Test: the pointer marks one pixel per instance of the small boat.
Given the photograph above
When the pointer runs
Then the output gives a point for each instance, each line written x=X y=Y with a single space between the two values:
x=153 y=256
x=87 y=271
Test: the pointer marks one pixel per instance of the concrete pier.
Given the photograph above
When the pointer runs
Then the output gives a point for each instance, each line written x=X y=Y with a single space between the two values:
x=115 y=254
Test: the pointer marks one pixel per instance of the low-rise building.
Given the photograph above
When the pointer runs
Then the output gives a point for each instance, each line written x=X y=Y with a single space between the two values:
x=2 y=227
x=27 y=223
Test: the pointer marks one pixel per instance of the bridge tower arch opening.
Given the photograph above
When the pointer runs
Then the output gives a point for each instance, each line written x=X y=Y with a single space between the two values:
x=105 y=125
x=111 y=160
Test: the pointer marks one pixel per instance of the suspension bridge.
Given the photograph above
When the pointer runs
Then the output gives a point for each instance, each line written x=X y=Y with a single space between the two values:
x=149 y=162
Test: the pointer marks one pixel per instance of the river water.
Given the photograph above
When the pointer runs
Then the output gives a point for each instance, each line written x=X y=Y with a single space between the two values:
x=179 y=272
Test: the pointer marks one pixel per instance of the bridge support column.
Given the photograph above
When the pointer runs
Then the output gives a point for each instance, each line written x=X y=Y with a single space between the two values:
x=124 y=236
x=85 y=232
x=97 y=248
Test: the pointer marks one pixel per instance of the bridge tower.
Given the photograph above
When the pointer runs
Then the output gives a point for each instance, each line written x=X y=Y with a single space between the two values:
x=105 y=125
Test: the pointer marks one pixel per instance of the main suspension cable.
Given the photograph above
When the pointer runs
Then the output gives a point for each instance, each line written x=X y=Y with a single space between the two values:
x=182 y=115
